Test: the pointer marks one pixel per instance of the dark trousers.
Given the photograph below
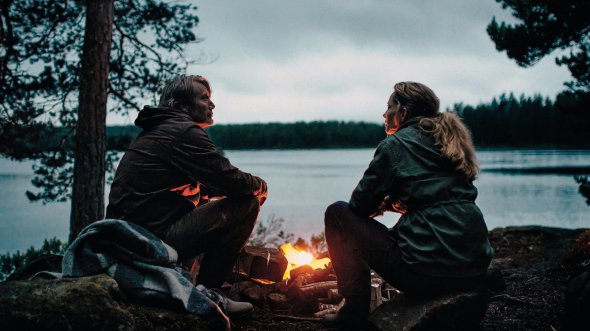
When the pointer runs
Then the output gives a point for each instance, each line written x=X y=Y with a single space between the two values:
x=357 y=245
x=219 y=229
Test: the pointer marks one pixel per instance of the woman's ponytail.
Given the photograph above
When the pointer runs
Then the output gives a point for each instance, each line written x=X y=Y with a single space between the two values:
x=447 y=130
x=454 y=140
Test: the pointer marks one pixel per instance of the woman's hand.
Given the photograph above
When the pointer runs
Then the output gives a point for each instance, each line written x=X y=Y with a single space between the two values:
x=384 y=207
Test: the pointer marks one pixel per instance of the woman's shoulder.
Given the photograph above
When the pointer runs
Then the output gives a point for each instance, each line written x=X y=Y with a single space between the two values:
x=405 y=135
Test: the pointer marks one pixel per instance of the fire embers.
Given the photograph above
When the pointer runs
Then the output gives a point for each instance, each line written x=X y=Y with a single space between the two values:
x=299 y=258
x=287 y=279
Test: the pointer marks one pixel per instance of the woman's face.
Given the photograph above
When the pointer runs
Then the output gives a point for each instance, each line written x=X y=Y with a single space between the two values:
x=393 y=115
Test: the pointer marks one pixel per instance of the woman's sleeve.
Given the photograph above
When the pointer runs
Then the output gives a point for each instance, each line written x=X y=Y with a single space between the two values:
x=376 y=182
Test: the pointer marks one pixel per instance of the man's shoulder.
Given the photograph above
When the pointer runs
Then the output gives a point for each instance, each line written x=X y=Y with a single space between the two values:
x=192 y=132
x=180 y=128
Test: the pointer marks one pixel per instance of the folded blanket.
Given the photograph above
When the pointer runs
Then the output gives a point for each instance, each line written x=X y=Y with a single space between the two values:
x=142 y=264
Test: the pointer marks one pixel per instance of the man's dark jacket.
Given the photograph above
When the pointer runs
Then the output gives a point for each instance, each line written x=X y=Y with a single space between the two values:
x=169 y=168
x=441 y=232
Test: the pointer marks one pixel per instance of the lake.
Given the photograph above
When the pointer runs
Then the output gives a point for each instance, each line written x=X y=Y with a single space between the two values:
x=302 y=183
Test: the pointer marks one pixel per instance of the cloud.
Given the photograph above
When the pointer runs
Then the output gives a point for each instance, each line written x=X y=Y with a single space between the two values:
x=354 y=84
x=316 y=60
x=282 y=29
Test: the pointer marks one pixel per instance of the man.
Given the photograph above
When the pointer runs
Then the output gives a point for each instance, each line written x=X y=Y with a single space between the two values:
x=175 y=183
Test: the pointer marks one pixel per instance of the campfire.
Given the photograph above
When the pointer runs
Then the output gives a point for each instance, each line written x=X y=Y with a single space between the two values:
x=298 y=257
x=291 y=280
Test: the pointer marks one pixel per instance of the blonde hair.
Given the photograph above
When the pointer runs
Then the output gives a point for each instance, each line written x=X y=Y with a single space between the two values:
x=449 y=133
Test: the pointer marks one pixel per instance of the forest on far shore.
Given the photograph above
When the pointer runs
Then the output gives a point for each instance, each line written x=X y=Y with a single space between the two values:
x=505 y=121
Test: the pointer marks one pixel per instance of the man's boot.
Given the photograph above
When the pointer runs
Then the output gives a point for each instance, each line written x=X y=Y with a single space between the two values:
x=352 y=316
x=234 y=309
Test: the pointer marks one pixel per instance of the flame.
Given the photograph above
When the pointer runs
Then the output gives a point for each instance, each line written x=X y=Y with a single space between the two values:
x=297 y=258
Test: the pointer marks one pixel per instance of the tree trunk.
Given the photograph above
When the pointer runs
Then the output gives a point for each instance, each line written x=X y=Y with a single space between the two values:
x=89 y=166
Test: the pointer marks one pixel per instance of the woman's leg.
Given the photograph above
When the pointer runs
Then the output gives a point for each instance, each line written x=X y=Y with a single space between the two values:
x=356 y=245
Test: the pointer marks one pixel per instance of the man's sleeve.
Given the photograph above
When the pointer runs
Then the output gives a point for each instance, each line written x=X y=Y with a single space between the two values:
x=376 y=182
x=195 y=156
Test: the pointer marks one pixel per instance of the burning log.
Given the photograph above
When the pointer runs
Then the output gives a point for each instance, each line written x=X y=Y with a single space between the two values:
x=322 y=275
x=298 y=258
x=263 y=263
x=304 y=269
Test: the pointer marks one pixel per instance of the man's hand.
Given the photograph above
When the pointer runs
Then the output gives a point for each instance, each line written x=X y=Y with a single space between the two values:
x=262 y=193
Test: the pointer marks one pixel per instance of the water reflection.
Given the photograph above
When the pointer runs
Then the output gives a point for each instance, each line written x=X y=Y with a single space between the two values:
x=303 y=182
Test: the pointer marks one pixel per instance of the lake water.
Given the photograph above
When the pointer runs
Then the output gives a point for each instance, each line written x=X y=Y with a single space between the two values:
x=303 y=183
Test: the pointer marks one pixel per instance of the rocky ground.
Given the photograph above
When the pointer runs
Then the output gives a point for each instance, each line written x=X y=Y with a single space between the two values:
x=530 y=258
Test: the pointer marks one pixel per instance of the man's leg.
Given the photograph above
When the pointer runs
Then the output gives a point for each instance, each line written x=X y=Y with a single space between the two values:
x=219 y=229
x=357 y=244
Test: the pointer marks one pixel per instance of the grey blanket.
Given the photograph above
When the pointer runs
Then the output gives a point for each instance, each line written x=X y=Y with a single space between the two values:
x=142 y=264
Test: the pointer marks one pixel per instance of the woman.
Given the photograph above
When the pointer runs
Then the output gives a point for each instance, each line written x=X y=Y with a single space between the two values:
x=424 y=170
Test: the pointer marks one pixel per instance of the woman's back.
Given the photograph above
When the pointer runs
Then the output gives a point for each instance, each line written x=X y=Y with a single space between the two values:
x=442 y=232
x=424 y=177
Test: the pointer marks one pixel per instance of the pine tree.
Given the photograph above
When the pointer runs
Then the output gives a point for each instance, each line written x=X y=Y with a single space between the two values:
x=58 y=74
x=545 y=26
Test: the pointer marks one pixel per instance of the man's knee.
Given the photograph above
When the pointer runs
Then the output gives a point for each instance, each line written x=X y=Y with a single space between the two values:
x=247 y=208
x=334 y=212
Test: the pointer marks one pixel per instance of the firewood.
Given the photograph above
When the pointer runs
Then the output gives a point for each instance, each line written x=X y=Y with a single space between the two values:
x=376 y=298
x=323 y=275
x=301 y=280
x=334 y=296
x=325 y=309
x=310 y=292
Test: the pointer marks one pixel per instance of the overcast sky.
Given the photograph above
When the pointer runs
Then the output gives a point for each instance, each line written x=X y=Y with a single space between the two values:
x=338 y=60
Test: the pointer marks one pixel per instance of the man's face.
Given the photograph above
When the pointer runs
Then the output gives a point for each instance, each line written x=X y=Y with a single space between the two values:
x=202 y=110
x=392 y=116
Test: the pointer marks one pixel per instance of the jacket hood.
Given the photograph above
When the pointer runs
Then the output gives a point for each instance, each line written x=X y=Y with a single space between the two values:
x=151 y=116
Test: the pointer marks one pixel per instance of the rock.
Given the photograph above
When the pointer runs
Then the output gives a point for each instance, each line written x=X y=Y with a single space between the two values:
x=579 y=252
x=45 y=262
x=84 y=303
x=278 y=301
x=455 y=311
x=263 y=263
x=577 y=289
x=255 y=295
x=87 y=303
x=577 y=302
x=532 y=247
x=249 y=291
